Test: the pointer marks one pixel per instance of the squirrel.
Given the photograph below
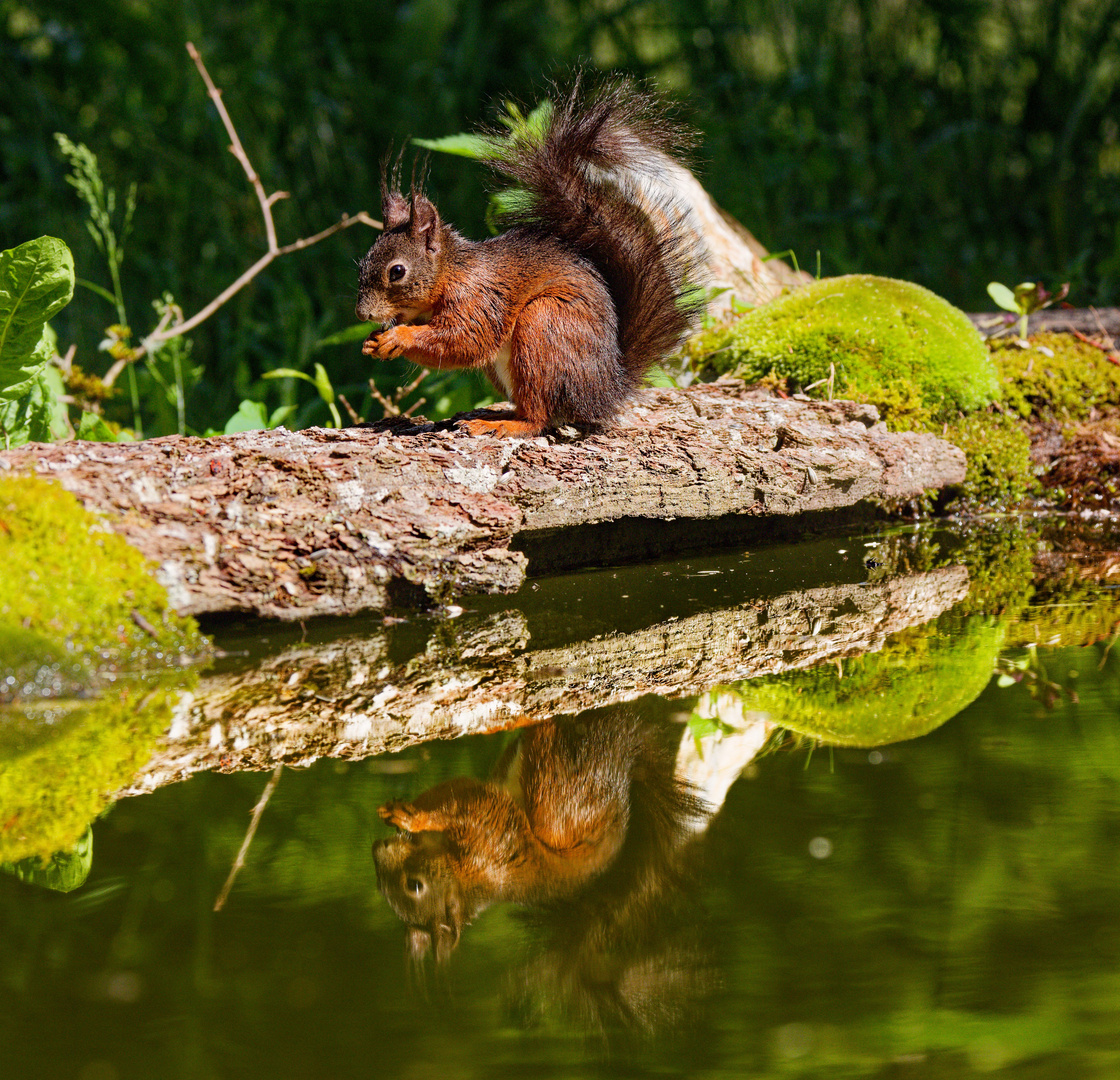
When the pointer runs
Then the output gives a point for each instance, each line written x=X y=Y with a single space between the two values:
x=561 y=805
x=593 y=283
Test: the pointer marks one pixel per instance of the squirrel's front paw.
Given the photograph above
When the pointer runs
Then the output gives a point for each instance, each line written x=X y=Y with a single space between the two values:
x=387 y=344
x=398 y=814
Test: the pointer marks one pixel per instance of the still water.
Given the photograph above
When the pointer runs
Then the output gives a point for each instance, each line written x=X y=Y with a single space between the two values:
x=845 y=809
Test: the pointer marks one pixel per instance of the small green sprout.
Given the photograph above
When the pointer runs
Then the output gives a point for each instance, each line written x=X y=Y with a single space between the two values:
x=1025 y=299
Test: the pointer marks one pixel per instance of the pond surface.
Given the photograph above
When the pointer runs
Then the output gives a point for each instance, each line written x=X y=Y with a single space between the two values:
x=844 y=809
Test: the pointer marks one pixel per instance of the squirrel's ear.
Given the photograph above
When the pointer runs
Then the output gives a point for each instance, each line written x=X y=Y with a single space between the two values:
x=394 y=208
x=423 y=222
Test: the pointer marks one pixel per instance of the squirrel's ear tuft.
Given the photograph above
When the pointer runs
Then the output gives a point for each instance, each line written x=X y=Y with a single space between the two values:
x=423 y=222
x=394 y=208
x=446 y=938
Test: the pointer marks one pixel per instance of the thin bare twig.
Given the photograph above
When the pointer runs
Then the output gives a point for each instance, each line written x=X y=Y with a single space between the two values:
x=164 y=332
x=1104 y=333
x=239 y=861
x=392 y=406
x=354 y=417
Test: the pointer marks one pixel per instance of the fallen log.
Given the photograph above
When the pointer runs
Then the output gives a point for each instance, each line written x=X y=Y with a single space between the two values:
x=299 y=524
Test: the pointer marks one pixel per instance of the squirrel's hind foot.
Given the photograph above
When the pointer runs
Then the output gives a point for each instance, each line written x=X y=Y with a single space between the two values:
x=507 y=429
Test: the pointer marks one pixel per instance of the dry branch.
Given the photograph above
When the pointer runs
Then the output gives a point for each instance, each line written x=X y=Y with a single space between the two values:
x=169 y=327
x=1061 y=320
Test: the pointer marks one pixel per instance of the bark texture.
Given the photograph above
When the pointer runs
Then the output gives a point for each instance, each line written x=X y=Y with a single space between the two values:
x=318 y=522
x=349 y=699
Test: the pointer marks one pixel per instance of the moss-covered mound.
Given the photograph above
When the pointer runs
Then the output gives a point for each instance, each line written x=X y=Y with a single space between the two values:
x=91 y=664
x=893 y=343
x=79 y=588
x=1056 y=377
x=919 y=680
x=998 y=451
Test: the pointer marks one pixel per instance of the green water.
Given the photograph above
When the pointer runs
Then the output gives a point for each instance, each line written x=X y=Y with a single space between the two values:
x=941 y=906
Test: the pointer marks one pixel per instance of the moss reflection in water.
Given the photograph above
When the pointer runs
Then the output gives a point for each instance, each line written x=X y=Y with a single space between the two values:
x=60 y=767
x=920 y=679
x=964 y=917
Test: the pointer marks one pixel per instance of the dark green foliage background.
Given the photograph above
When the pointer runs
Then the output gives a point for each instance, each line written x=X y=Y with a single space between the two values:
x=949 y=142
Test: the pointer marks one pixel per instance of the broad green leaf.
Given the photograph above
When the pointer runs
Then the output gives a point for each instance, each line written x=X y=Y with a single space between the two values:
x=36 y=364
x=36 y=282
x=479 y=147
x=1003 y=296
x=54 y=388
x=537 y=121
x=250 y=416
x=507 y=201
x=93 y=428
x=28 y=418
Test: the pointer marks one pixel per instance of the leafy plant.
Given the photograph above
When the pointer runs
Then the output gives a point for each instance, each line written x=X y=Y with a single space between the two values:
x=321 y=382
x=64 y=871
x=36 y=282
x=488 y=147
x=1025 y=299
x=109 y=234
x=254 y=416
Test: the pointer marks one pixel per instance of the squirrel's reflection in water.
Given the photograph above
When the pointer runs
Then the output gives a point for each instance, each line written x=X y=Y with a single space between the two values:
x=585 y=822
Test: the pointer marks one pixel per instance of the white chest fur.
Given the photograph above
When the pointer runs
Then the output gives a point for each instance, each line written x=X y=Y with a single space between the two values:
x=501 y=369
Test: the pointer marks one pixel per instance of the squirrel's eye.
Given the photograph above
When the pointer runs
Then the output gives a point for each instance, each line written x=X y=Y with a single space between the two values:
x=414 y=886
x=396 y=272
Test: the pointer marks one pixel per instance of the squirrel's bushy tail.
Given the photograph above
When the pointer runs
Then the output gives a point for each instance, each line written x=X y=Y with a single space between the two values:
x=599 y=178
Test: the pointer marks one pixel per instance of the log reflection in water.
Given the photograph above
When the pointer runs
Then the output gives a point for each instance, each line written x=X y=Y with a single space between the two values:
x=348 y=698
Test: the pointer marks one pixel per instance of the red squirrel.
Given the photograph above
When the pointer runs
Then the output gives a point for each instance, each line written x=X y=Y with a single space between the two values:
x=553 y=818
x=594 y=282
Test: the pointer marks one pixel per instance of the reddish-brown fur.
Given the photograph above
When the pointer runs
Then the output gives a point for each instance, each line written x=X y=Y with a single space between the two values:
x=586 y=290
x=552 y=817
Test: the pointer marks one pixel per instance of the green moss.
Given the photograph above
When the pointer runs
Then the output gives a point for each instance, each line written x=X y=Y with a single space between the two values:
x=91 y=663
x=1056 y=378
x=999 y=556
x=920 y=679
x=998 y=450
x=67 y=578
x=60 y=766
x=892 y=343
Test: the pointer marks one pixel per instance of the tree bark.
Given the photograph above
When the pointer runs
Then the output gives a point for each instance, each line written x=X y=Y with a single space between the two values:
x=318 y=522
